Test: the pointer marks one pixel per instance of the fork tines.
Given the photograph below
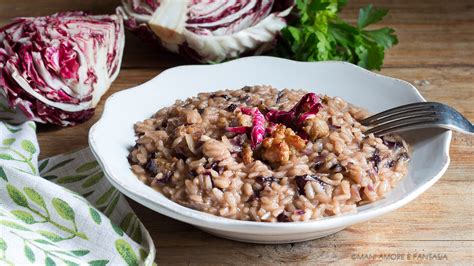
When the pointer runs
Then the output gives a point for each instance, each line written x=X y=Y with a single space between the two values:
x=407 y=116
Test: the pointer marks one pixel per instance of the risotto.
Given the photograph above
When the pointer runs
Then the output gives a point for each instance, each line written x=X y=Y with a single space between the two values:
x=266 y=155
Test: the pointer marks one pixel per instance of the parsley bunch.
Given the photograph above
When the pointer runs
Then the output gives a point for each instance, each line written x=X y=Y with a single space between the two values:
x=318 y=34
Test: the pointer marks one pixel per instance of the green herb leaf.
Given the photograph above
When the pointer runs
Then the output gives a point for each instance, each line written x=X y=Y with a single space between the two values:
x=383 y=36
x=370 y=55
x=319 y=34
x=369 y=15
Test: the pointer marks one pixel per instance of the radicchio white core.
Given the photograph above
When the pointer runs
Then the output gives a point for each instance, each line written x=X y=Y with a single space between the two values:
x=56 y=68
x=208 y=30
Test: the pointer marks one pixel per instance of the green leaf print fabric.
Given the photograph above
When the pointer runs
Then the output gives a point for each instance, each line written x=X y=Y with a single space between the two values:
x=62 y=210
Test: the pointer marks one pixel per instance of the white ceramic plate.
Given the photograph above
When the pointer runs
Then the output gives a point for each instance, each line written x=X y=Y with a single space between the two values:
x=112 y=136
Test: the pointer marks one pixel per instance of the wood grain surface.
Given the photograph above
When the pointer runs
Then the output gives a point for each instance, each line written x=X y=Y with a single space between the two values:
x=435 y=53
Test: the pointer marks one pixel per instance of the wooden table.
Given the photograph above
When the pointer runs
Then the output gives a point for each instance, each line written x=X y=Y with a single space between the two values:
x=436 y=53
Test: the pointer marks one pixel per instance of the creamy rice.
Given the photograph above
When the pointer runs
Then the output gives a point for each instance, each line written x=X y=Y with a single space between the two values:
x=313 y=166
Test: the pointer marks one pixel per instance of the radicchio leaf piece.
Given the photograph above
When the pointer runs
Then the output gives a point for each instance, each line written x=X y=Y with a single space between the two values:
x=308 y=105
x=301 y=181
x=163 y=180
x=375 y=159
x=265 y=180
x=258 y=125
x=283 y=218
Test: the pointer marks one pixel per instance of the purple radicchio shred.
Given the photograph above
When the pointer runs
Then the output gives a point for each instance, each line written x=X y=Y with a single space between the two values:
x=180 y=153
x=258 y=125
x=192 y=174
x=231 y=107
x=265 y=180
x=333 y=127
x=220 y=170
x=308 y=105
x=215 y=166
x=164 y=123
x=225 y=96
x=245 y=98
x=246 y=89
x=392 y=144
x=239 y=130
x=337 y=168
x=280 y=94
x=254 y=196
x=300 y=212
x=301 y=181
x=152 y=167
x=238 y=142
x=375 y=159
x=151 y=155
x=130 y=158
x=165 y=179
x=319 y=161
x=404 y=156
x=206 y=173
x=391 y=163
x=283 y=218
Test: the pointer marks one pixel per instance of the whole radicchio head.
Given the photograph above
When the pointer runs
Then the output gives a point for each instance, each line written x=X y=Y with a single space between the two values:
x=208 y=31
x=56 y=68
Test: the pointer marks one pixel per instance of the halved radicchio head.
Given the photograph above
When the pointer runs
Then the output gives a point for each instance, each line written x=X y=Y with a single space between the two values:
x=208 y=30
x=56 y=68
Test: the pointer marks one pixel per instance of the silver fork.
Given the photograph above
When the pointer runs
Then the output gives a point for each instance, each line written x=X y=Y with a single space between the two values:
x=415 y=116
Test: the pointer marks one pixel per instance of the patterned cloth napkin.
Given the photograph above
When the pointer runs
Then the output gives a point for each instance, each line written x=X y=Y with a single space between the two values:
x=62 y=210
